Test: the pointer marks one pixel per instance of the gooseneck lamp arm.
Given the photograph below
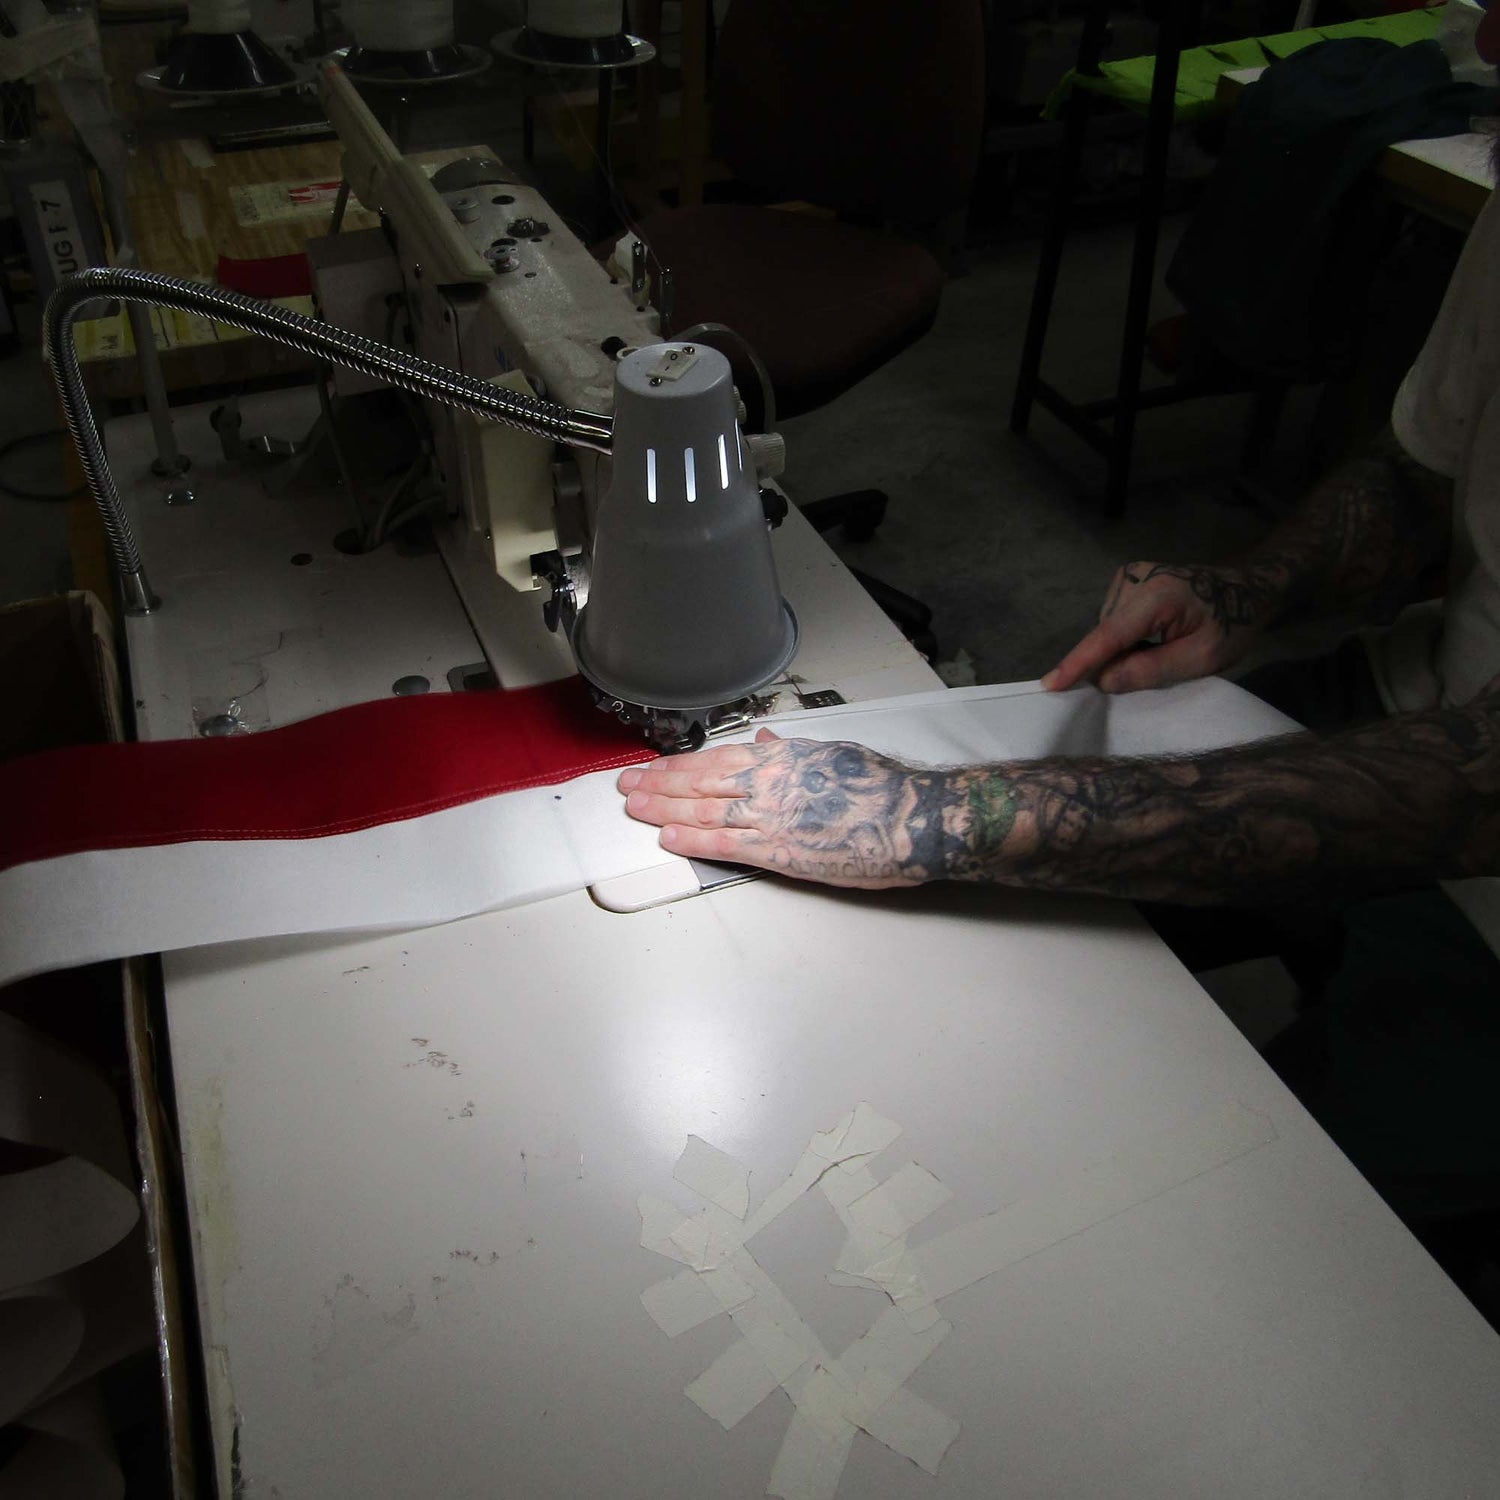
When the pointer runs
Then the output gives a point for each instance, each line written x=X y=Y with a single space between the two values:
x=352 y=351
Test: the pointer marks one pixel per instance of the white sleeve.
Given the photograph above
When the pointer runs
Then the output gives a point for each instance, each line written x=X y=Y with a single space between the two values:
x=1439 y=401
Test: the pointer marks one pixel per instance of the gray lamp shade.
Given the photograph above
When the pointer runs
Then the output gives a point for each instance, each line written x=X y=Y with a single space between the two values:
x=684 y=610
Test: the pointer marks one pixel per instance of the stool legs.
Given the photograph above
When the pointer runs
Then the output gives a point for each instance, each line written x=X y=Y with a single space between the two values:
x=1116 y=442
x=1076 y=113
x=1143 y=257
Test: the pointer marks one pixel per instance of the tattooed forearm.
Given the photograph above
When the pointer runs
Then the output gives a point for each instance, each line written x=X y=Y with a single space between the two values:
x=1410 y=800
x=1363 y=539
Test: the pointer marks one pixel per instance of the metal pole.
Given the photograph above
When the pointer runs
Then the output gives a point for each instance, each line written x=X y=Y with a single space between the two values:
x=170 y=461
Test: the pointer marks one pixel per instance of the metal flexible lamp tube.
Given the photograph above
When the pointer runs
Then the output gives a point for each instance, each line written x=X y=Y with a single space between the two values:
x=546 y=419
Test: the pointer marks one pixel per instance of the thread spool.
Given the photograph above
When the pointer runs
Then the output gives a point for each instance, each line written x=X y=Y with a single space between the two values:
x=576 y=19
x=406 y=41
x=218 y=17
x=398 y=25
x=577 y=33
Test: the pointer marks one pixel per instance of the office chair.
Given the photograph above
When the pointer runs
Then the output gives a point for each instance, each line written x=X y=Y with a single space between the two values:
x=871 y=111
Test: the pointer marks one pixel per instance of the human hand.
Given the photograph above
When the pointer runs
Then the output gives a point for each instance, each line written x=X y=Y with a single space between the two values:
x=1164 y=623
x=825 y=811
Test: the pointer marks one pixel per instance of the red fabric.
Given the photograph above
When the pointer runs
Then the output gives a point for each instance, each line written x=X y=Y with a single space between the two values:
x=270 y=276
x=373 y=763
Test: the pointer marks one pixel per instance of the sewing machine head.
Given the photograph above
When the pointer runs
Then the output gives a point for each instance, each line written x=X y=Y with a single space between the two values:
x=654 y=543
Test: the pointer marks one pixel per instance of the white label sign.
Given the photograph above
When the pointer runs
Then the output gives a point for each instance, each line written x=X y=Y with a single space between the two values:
x=59 y=228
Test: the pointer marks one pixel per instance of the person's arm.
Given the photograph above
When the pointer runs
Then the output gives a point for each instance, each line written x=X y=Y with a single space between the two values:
x=1360 y=541
x=1411 y=799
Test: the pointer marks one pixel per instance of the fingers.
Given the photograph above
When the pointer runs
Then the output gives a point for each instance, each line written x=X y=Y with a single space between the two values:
x=1108 y=640
x=707 y=773
x=1156 y=667
x=698 y=812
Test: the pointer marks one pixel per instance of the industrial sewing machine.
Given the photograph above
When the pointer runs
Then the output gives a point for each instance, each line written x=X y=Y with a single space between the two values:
x=570 y=447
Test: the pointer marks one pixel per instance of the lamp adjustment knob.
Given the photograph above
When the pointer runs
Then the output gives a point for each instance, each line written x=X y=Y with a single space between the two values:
x=767 y=453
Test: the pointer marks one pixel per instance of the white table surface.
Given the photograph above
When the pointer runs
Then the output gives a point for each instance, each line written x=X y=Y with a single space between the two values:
x=414 y=1164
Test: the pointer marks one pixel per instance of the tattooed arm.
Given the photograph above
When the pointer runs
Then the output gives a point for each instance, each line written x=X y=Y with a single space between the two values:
x=1411 y=799
x=1360 y=541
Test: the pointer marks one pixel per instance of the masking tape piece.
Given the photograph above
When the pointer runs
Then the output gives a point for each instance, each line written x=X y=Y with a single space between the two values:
x=864 y=1133
x=803 y=1176
x=921 y=1317
x=768 y=1308
x=810 y=1462
x=912 y=1427
x=734 y=1384
x=859 y=1135
x=898 y=1204
x=726 y=1287
x=866 y=1387
x=879 y=1404
x=701 y=1247
x=715 y=1176
x=890 y=1349
x=860 y=1249
x=827 y=1401
x=843 y=1188
x=659 y=1221
x=681 y=1302
x=781 y=1353
x=1131 y=1177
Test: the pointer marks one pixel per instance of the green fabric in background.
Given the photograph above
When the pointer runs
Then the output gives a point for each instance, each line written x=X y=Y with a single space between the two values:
x=1199 y=69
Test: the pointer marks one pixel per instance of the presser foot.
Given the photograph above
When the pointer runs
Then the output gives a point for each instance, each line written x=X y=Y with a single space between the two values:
x=675 y=730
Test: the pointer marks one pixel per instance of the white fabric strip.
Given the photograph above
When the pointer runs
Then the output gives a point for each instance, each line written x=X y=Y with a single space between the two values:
x=525 y=846
x=522 y=846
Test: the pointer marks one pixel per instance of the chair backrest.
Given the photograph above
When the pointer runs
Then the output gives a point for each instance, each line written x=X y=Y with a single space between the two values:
x=871 y=107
